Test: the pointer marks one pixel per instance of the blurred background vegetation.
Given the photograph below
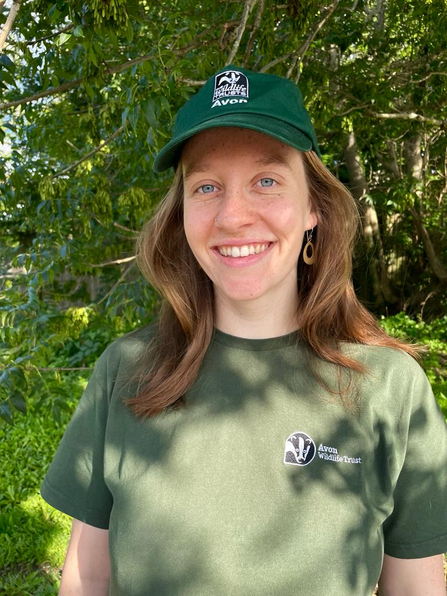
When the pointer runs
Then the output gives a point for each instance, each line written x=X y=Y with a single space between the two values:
x=88 y=90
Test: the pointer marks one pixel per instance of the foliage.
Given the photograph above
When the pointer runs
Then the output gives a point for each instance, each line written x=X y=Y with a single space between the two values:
x=434 y=337
x=76 y=179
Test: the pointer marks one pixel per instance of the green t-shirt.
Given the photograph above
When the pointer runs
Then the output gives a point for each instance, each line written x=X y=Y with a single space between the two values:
x=263 y=484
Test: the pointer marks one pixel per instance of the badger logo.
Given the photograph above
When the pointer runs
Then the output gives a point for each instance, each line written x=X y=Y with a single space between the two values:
x=299 y=450
x=230 y=83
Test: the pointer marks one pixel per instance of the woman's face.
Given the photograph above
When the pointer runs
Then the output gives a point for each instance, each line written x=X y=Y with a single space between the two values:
x=246 y=208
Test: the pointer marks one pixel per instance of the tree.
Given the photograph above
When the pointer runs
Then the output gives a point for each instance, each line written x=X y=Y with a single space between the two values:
x=89 y=90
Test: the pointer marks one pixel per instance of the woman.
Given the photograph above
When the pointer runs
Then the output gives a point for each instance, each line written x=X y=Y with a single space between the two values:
x=273 y=439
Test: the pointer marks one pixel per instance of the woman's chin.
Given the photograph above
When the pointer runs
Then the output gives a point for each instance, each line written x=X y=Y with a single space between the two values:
x=241 y=292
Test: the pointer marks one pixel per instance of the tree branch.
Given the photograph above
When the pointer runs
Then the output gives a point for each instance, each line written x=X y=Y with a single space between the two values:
x=192 y=83
x=116 y=262
x=249 y=4
x=90 y=153
x=389 y=116
x=353 y=109
x=432 y=74
x=407 y=116
x=52 y=91
x=254 y=31
x=302 y=50
x=70 y=84
x=299 y=55
x=63 y=30
x=113 y=288
x=435 y=263
x=275 y=62
x=62 y=368
x=318 y=26
x=197 y=43
x=9 y=23
x=119 y=226
x=292 y=66
x=115 y=224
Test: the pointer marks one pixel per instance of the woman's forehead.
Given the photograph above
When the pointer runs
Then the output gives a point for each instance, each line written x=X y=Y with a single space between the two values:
x=230 y=144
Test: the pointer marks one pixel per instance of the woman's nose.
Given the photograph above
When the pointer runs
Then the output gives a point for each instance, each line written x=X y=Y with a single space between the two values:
x=235 y=210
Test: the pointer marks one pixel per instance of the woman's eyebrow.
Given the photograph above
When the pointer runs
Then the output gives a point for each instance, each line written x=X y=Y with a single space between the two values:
x=273 y=159
x=263 y=161
x=195 y=169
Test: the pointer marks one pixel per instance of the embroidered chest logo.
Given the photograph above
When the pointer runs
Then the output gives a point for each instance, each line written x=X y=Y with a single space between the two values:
x=299 y=450
x=230 y=87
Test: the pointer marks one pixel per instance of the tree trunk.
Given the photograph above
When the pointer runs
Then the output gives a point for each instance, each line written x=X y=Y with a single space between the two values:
x=415 y=170
x=370 y=223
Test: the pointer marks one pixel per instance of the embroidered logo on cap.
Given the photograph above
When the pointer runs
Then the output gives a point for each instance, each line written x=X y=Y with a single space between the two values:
x=230 y=87
x=299 y=450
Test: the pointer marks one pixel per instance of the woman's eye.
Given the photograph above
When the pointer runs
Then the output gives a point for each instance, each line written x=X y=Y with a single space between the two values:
x=206 y=188
x=266 y=182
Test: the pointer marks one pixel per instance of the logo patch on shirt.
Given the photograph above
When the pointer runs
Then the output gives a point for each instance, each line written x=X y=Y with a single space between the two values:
x=230 y=87
x=299 y=450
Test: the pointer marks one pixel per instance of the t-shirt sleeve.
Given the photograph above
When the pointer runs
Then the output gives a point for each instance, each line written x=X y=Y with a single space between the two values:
x=75 y=483
x=417 y=527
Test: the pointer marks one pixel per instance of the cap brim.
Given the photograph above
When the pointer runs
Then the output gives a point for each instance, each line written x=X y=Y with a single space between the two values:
x=278 y=129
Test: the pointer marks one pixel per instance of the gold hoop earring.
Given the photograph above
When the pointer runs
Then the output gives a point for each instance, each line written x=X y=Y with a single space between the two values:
x=309 y=259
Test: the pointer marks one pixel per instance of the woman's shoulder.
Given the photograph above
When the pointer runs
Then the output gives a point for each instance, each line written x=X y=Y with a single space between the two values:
x=134 y=342
x=126 y=352
x=392 y=371
x=383 y=357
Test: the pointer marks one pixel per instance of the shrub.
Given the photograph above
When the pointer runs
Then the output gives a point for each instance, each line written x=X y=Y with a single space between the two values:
x=433 y=335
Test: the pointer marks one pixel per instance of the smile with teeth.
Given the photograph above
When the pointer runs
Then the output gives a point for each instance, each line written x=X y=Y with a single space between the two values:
x=242 y=251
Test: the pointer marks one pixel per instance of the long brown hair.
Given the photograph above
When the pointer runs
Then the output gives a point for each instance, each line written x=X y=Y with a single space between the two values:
x=329 y=312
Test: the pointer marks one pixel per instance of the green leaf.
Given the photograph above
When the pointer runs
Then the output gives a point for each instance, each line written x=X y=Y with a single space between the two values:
x=21 y=359
x=5 y=413
x=57 y=413
x=39 y=207
x=150 y=139
x=13 y=377
x=89 y=90
x=124 y=116
x=133 y=117
x=18 y=401
x=5 y=61
x=63 y=37
x=7 y=77
x=149 y=112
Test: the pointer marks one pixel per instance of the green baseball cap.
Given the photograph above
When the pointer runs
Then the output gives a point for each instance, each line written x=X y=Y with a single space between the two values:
x=238 y=97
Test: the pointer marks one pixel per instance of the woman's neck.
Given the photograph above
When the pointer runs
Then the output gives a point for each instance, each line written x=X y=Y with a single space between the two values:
x=256 y=319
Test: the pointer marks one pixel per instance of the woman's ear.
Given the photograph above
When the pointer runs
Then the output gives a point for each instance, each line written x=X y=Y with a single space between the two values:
x=312 y=220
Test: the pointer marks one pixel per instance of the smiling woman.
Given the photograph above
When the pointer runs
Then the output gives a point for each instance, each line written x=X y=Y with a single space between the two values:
x=245 y=214
x=264 y=436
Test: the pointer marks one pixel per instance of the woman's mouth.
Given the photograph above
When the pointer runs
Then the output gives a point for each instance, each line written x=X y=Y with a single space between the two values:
x=242 y=251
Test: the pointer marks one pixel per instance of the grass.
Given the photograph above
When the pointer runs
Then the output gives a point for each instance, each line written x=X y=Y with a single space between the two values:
x=33 y=536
